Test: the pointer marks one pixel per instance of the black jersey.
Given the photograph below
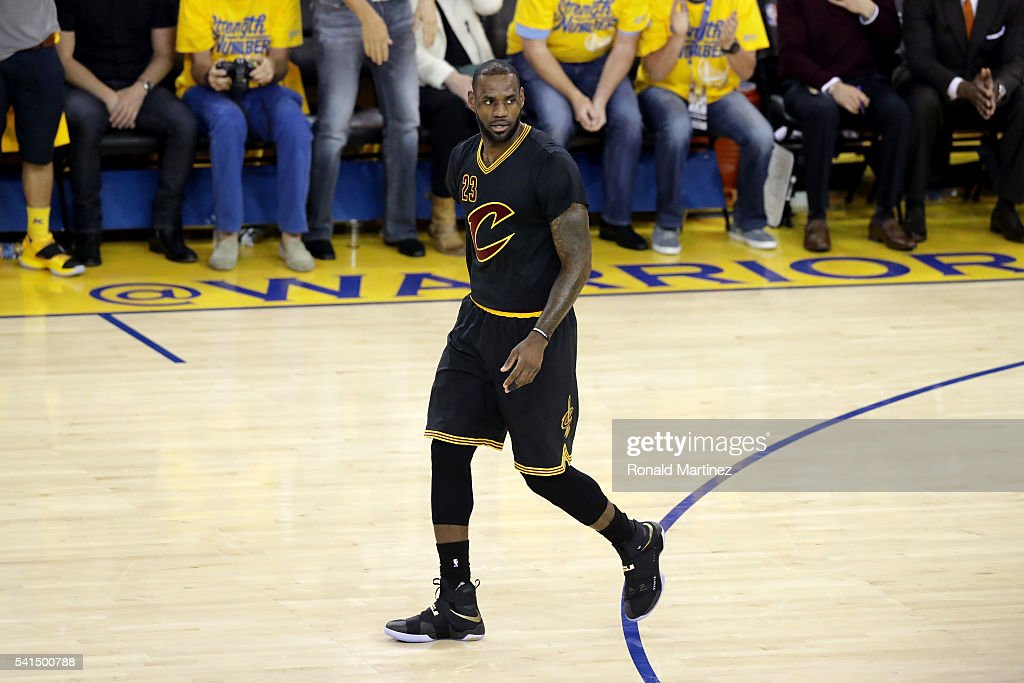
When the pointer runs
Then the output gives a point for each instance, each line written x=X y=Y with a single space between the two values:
x=509 y=206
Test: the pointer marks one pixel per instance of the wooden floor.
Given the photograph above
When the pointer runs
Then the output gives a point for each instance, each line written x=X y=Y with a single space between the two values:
x=258 y=512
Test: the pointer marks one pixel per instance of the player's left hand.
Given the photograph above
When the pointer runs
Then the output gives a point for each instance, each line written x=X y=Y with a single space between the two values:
x=524 y=361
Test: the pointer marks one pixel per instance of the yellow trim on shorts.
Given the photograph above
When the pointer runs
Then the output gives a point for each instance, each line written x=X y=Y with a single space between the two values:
x=504 y=314
x=548 y=471
x=462 y=440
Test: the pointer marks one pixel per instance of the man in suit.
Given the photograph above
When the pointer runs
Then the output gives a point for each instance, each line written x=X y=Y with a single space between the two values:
x=967 y=61
x=836 y=56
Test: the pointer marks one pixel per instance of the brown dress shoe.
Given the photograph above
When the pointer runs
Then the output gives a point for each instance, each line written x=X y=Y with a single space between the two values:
x=443 y=234
x=888 y=232
x=816 y=237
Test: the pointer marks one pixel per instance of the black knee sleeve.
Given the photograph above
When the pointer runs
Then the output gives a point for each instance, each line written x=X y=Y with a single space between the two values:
x=573 y=491
x=451 y=483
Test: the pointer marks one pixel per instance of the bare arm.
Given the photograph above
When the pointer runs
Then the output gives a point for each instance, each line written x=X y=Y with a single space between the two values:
x=203 y=72
x=272 y=68
x=163 y=55
x=376 y=38
x=78 y=75
x=743 y=63
x=571 y=234
x=544 y=63
x=618 y=64
x=659 y=64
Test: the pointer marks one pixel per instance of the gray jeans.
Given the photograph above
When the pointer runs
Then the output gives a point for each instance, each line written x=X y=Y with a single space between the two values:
x=340 y=56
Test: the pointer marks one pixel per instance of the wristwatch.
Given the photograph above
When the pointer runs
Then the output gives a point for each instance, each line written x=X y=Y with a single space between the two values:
x=1000 y=91
x=147 y=86
x=732 y=49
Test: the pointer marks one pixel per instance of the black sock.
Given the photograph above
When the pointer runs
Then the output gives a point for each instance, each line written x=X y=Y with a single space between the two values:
x=620 y=530
x=1007 y=204
x=454 y=562
x=883 y=212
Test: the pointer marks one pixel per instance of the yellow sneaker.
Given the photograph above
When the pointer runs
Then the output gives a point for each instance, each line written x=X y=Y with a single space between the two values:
x=50 y=257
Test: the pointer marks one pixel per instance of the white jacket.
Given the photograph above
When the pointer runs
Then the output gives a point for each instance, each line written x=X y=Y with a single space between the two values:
x=463 y=17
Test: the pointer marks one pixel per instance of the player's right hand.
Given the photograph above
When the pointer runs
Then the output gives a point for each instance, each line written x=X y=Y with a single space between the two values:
x=524 y=361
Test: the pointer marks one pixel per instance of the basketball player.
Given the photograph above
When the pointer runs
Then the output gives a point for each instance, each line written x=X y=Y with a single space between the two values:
x=510 y=362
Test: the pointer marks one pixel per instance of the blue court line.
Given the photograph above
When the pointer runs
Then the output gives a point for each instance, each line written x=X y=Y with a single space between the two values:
x=631 y=630
x=109 y=317
x=644 y=292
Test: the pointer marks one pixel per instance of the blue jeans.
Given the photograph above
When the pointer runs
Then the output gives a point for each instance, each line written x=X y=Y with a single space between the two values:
x=340 y=56
x=623 y=132
x=272 y=113
x=733 y=117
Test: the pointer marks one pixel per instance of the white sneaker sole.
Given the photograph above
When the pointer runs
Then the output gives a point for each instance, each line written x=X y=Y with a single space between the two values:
x=416 y=638
x=667 y=251
x=740 y=237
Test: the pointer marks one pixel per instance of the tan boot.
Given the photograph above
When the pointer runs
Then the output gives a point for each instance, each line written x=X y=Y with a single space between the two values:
x=445 y=238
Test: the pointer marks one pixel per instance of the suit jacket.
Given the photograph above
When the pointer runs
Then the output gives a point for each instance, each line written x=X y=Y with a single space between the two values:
x=938 y=49
x=819 y=40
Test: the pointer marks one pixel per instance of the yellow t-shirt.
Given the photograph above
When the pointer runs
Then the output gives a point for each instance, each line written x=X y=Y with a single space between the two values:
x=238 y=28
x=576 y=32
x=709 y=66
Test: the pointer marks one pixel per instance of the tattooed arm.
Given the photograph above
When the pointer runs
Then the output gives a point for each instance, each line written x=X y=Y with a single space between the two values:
x=571 y=233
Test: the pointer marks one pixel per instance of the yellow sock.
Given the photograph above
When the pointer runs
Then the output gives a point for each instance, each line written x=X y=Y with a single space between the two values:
x=39 y=225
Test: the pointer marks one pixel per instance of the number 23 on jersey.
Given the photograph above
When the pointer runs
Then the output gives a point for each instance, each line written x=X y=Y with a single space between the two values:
x=468 y=188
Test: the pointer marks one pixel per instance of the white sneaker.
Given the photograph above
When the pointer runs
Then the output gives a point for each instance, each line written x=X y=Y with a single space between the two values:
x=295 y=255
x=225 y=253
x=758 y=239
x=665 y=241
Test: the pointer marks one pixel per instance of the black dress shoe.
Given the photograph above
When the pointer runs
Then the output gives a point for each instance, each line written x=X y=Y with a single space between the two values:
x=1006 y=222
x=171 y=243
x=409 y=247
x=622 y=235
x=322 y=250
x=87 y=248
x=914 y=224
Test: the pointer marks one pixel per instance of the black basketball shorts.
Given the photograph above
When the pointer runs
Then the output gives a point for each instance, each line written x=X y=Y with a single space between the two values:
x=468 y=405
x=32 y=81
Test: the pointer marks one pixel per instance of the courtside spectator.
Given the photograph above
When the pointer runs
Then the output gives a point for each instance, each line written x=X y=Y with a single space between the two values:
x=574 y=59
x=32 y=81
x=446 y=77
x=114 y=54
x=837 y=55
x=694 y=56
x=347 y=33
x=967 y=67
x=249 y=39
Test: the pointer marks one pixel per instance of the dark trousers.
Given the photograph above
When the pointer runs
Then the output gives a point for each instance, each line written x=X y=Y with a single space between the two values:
x=821 y=119
x=933 y=112
x=448 y=122
x=162 y=114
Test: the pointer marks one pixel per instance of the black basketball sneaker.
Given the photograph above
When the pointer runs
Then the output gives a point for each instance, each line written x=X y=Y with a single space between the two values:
x=453 y=616
x=644 y=581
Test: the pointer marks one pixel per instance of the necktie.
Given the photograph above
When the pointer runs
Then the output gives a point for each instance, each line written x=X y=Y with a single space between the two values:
x=968 y=17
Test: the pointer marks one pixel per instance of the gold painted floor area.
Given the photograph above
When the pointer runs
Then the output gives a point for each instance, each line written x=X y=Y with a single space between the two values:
x=960 y=248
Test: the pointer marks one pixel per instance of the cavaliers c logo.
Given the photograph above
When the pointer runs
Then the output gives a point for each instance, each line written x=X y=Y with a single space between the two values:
x=497 y=212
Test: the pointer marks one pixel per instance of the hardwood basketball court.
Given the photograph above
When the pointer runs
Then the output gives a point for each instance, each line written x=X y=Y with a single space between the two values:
x=246 y=498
